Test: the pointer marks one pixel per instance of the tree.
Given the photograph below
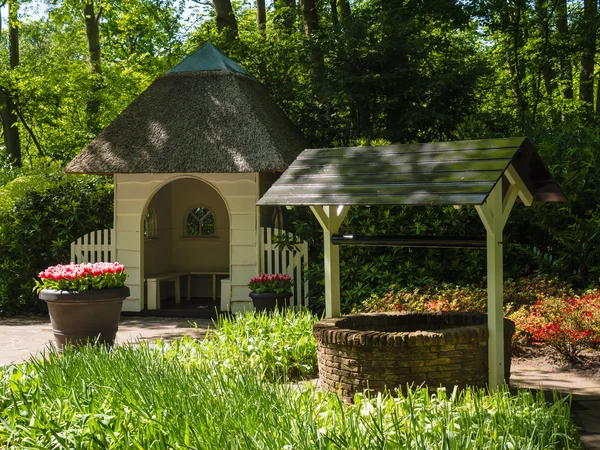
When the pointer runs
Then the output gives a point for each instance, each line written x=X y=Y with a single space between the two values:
x=91 y=17
x=226 y=21
x=261 y=14
x=588 y=53
x=564 y=66
x=8 y=97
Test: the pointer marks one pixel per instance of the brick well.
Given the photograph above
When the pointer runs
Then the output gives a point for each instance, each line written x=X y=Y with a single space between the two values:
x=389 y=350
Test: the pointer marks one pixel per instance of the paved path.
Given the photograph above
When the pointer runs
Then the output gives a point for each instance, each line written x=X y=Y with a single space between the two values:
x=22 y=337
x=585 y=409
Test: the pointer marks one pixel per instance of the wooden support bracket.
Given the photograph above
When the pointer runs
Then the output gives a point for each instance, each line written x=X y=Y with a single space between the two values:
x=330 y=218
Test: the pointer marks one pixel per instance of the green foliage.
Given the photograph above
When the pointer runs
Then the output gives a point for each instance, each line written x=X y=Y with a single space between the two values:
x=562 y=239
x=41 y=213
x=178 y=396
x=371 y=270
x=277 y=345
x=473 y=297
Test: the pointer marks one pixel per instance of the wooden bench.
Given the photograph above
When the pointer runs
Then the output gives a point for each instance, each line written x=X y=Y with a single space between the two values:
x=214 y=282
x=153 y=285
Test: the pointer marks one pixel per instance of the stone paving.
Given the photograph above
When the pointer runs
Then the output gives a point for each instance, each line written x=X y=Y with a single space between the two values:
x=20 y=338
x=585 y=390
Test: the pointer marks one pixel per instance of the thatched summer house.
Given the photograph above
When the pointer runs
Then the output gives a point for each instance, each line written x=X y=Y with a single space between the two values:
x=191 y=156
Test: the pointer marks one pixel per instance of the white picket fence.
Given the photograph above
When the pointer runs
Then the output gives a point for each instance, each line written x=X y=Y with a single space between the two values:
x=100 y=246
x=94 y=247
x=293 y=261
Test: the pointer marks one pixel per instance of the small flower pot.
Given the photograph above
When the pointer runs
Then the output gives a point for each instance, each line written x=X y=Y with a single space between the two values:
x=84 y=317
x=269 y=301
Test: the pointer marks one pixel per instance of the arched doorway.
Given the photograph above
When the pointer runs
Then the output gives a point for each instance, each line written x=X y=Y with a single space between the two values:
x=186 y=249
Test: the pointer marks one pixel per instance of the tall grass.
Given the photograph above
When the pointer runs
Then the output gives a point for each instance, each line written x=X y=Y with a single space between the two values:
x=192 y=395
x=279 y=344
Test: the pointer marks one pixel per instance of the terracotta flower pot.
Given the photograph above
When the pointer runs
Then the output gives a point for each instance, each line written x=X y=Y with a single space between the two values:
x=269 y=301
x=82 y=317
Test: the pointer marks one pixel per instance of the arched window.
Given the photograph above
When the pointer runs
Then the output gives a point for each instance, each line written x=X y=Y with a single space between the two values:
x=150 y=229
x=200 y=222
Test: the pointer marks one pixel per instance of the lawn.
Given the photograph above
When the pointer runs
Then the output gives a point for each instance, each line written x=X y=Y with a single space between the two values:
x=235 y=390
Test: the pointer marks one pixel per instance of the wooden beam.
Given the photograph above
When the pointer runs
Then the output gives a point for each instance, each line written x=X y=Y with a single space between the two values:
x=515 y=180
x=509 y=201
x=330 y=218
x=494 y=214
x=491 y=213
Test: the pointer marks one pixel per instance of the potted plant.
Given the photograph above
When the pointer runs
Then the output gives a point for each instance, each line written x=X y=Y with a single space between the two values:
x=84 y=301
x=270 y=291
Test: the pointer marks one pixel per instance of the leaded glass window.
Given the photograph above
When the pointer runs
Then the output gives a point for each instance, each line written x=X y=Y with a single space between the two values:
x=200 y=222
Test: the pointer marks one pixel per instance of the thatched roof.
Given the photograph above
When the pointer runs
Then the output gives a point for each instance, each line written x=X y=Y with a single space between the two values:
x=204 y=115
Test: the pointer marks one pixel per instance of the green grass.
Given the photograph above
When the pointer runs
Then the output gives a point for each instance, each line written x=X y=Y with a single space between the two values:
x=211 y=396
x=278 y=345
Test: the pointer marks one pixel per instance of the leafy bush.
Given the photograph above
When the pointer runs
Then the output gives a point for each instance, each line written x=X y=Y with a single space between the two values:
x=567 y=325
x=472 y=297
x=178 y=396
x=40 y=215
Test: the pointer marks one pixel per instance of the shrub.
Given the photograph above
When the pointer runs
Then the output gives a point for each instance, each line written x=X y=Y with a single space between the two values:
x=567 y=325
x=433 y=297
x=472 y=297
x=40 y=215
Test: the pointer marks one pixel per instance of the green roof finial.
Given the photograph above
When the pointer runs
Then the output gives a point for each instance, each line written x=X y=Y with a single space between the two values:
x=207 y=57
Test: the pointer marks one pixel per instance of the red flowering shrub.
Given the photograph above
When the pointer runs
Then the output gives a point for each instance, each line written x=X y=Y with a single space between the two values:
x=568 y=325
x=82 y=277
x=271 y=282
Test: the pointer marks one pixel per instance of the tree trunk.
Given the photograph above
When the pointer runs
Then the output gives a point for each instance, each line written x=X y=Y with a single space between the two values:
x=588 y=44
x=309 y=14
x=92 y=32
x=511 y=21
x=12 y=139
x=311 y=24
x=562 y=27
x=344 y=9
x=261 y=15
x=334 y=13
x=543 y=24
x=226 y=20
x=598 y=101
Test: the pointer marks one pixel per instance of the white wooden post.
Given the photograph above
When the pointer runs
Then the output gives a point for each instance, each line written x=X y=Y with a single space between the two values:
x=491 y=216
x=330 y=218
x=494 y=214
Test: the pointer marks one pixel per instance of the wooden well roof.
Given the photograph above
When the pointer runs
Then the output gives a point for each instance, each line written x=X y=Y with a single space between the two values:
x=443 y=173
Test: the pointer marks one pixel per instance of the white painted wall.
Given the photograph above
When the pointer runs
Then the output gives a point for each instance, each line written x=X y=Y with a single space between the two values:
x=240 y=194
